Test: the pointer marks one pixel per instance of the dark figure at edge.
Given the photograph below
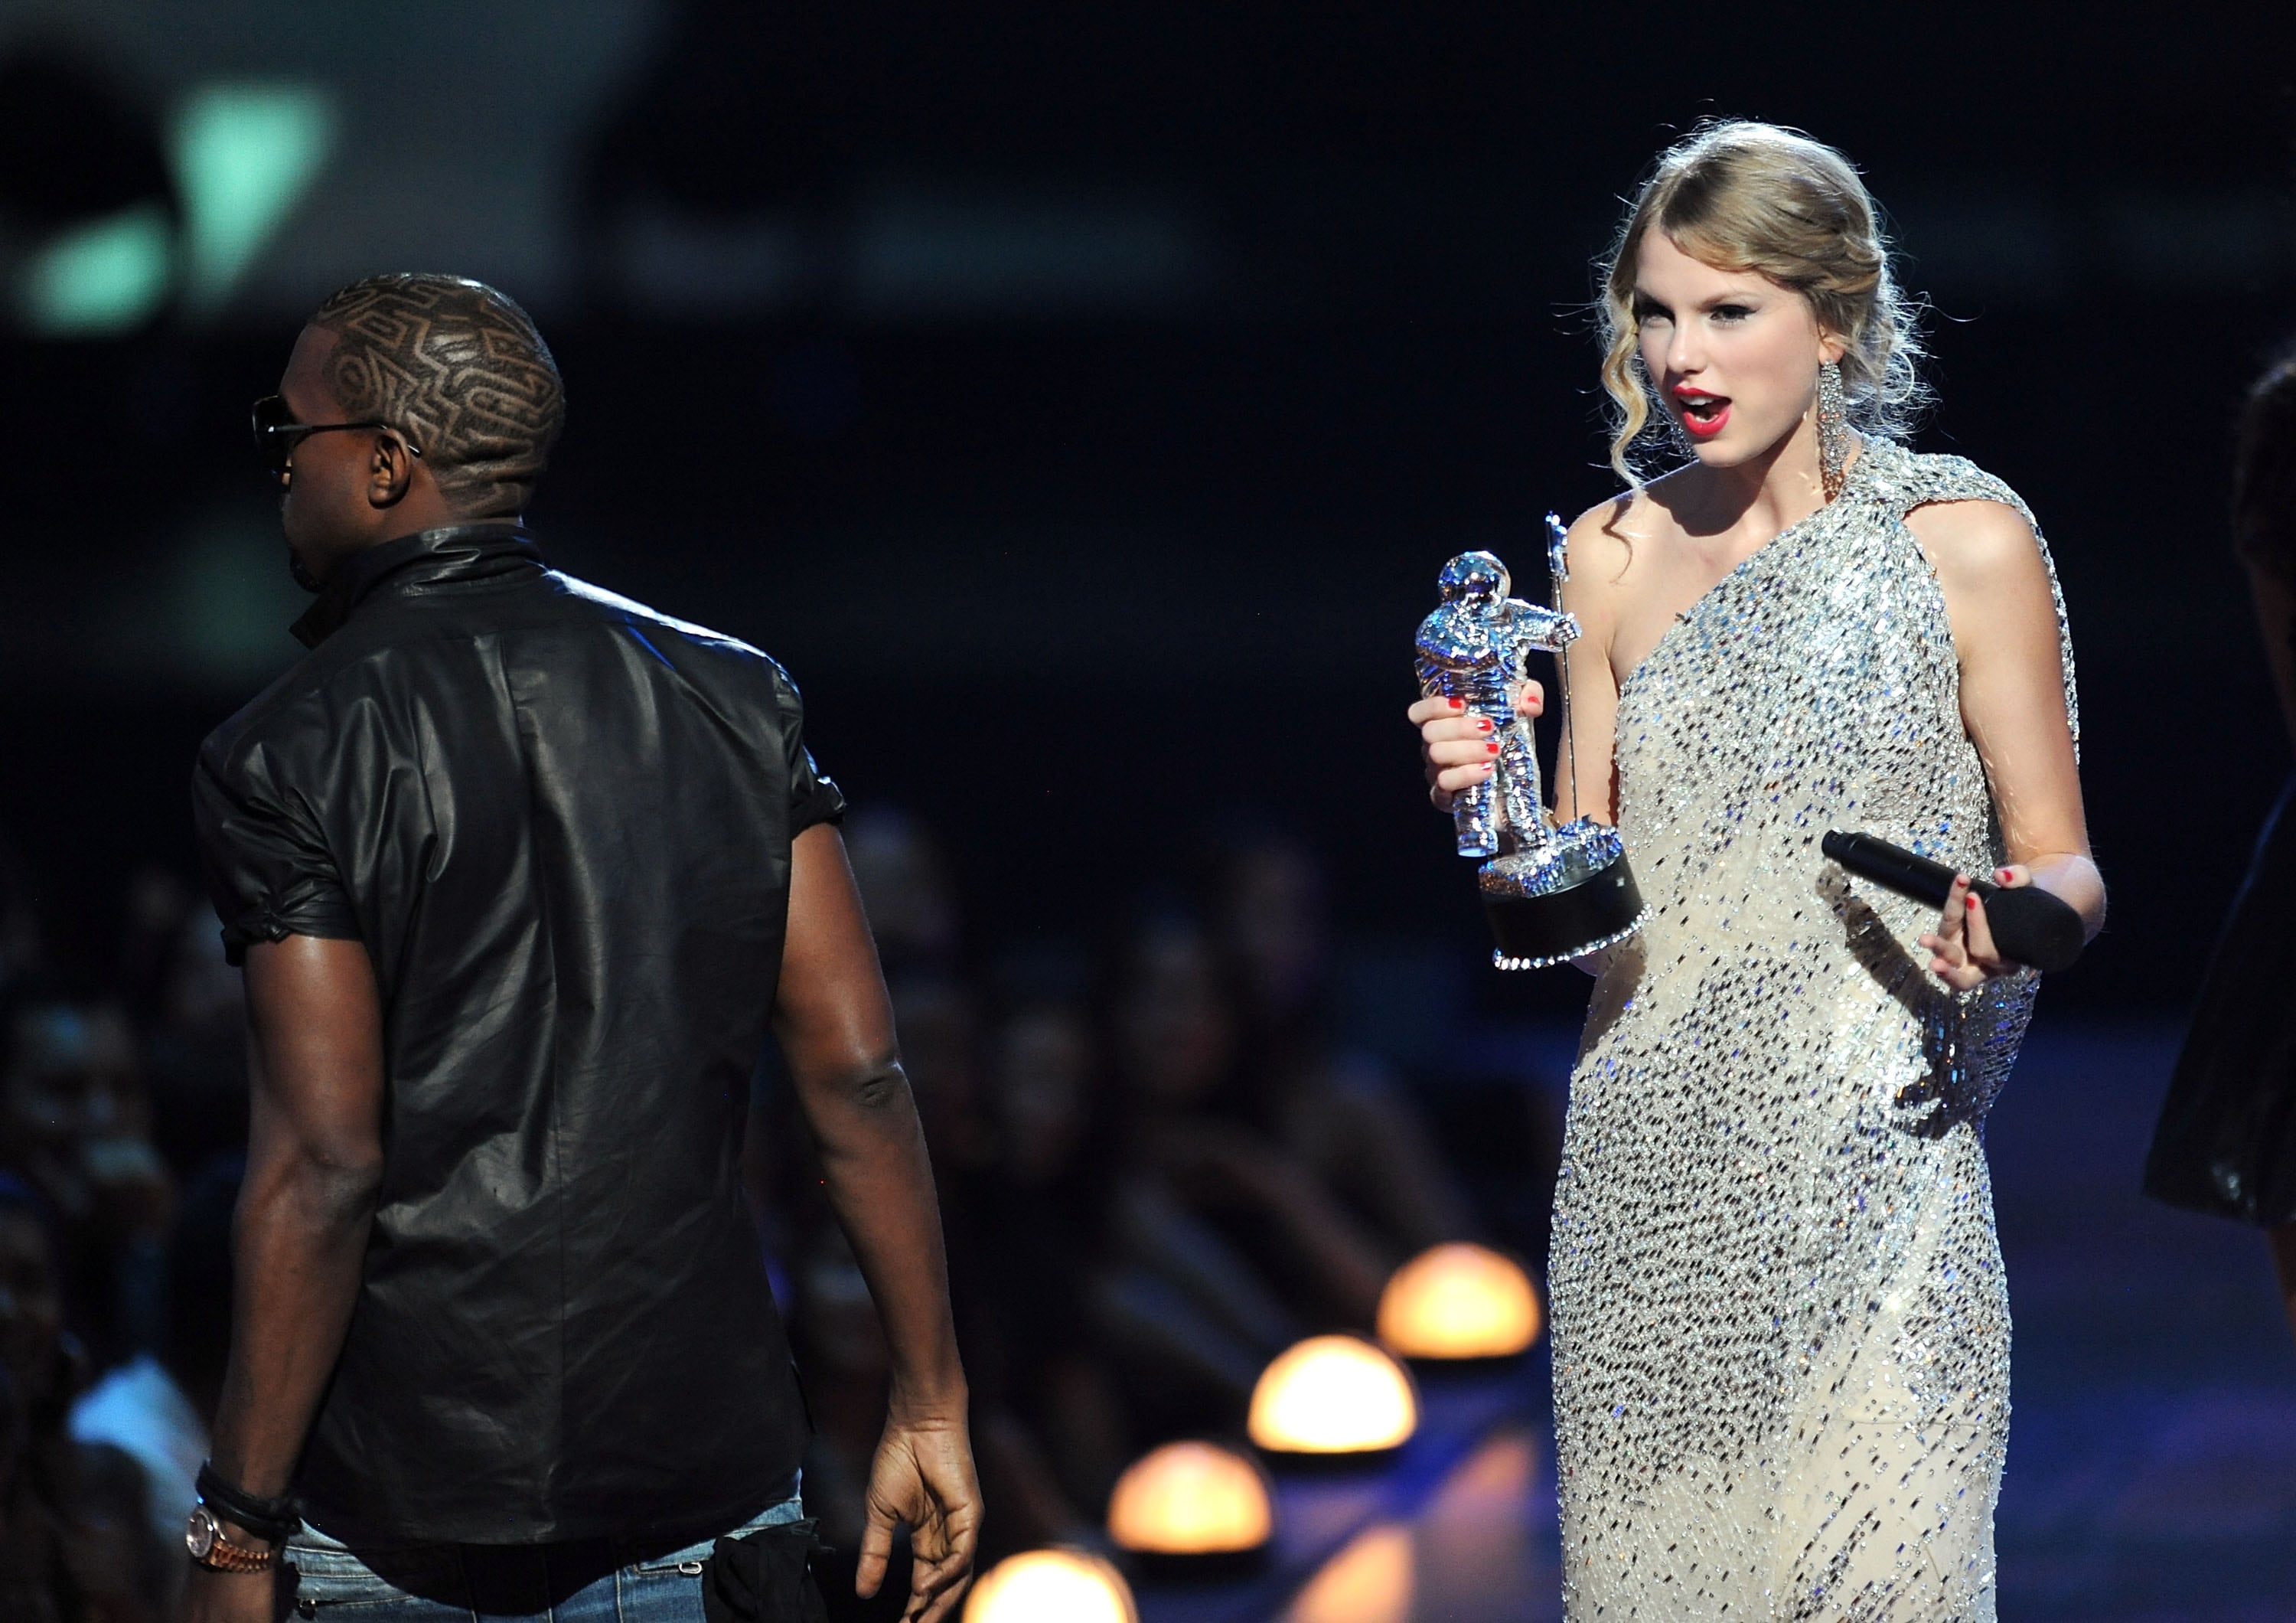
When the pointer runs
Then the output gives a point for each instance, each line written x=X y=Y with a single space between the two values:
x=2227 y=1141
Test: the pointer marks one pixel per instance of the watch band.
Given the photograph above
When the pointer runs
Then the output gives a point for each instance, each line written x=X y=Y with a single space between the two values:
x=212 y=1548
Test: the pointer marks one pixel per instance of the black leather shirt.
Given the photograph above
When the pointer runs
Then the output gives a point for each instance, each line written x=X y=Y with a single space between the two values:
x=560 y=823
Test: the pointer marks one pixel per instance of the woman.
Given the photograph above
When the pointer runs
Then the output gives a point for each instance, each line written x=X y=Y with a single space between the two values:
x=1781 y=1335
x=2227 y=1141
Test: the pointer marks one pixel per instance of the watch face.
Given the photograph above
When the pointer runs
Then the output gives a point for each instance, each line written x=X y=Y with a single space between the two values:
x=200 y=1534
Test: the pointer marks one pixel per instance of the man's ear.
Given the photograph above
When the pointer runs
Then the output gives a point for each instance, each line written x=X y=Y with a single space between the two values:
x=390 y=470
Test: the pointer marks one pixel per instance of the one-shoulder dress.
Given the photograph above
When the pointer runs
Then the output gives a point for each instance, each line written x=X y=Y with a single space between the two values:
x=1781 y=1328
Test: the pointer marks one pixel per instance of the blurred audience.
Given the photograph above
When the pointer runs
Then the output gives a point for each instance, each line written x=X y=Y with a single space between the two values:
x=75 y=1124
x=159 y=1406
x=1335 y=1109
x=1056 y=1429
x=1158 y=1165
x=76 y=1541
x=186 y=1001
x=846 y=1368
x=1201 y=1179
x=111 y=1330
x=905 y=880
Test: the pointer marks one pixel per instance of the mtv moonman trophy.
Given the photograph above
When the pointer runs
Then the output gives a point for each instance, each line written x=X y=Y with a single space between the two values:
x=1550 y=893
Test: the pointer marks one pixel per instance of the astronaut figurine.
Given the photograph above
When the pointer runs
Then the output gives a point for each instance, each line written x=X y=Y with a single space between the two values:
x=1476 y=648
x=1550 y=893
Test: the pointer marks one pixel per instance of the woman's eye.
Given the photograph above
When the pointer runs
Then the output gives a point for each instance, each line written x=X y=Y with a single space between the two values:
x=1732 y=312
x=1649 y=313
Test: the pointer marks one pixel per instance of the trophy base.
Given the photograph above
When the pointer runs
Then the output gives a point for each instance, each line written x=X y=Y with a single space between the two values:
x=1574 y=894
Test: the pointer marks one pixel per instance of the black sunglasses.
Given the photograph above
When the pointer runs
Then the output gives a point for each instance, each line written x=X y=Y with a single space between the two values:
x=277 y=433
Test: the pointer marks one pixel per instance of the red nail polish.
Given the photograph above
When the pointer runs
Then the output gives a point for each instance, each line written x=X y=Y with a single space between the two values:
x=1976 y=901
x=1457 y=703
x=1492 y=746
x=1484 y=722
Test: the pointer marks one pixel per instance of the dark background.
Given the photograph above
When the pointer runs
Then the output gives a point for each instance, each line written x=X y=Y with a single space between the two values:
x=1080 y=399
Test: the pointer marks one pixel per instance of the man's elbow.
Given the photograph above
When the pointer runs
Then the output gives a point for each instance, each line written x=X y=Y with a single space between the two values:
x=331 y=1188
x=879 y=1086
x=849 y=1084
x=860 y=1091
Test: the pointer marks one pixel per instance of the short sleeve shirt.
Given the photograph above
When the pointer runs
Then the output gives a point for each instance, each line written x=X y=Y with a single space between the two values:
x=561 y=824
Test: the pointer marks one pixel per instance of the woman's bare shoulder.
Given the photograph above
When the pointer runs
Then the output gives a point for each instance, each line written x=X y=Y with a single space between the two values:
x=1603 y=538
x=1977 y=540
x=1611 y=538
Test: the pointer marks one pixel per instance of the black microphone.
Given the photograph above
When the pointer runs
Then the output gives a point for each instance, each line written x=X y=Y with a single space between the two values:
x=2030 y=924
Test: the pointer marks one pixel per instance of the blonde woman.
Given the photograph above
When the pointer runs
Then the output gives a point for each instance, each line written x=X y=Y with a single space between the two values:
x=1781 y=1330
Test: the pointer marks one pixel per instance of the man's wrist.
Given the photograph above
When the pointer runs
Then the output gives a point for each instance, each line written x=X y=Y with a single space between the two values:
x=924 y=1402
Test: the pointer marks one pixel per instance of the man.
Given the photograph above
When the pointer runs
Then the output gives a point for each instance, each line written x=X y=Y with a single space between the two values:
x=520 y=872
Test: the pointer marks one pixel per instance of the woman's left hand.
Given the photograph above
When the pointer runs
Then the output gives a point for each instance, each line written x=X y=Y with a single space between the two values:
x=1961 y=953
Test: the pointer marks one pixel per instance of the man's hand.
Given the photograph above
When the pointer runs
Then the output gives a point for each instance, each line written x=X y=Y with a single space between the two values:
x=231 y=1597
x=923 y=1475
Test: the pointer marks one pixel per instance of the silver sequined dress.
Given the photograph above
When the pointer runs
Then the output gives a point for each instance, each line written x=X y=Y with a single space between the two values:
x=1781 y=1329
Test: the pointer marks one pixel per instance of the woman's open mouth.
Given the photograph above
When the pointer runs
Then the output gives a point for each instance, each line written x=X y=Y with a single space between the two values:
x=1704 y=414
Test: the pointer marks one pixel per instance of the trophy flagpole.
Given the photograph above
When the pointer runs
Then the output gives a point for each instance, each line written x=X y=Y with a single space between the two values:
x=1558 y=570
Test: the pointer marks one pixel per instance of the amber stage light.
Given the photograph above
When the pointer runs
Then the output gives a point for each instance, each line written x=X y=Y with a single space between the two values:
x=1051 y=1587
x=1459 y=1301
x=1190 y=1499
x=1333 y=1395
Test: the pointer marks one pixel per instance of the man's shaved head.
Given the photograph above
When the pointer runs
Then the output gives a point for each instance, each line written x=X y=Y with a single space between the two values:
x=460 y=370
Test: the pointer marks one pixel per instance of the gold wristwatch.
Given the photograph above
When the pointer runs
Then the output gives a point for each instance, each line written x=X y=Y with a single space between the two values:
x=203 y=1537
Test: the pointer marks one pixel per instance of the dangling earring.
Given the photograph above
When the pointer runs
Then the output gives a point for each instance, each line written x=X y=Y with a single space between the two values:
x=1832 y=428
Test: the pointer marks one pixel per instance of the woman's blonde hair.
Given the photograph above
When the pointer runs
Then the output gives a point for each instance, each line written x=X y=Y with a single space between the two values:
x=1746 y=197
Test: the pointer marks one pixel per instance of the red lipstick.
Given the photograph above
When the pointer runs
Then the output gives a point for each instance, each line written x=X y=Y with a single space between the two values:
x=1702 y=416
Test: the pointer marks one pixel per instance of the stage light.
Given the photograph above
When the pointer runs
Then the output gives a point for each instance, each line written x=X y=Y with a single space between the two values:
x=245 y=155
x=1333 y=1395
x=1458 y=1301
x=1051 y=1587
x=107 y=276
x=1190 y=1499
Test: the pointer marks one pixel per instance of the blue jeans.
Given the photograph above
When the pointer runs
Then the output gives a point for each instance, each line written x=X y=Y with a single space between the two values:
x=578 y=1583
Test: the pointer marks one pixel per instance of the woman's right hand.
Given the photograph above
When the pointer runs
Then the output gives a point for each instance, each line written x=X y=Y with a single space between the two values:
x=1457 y=749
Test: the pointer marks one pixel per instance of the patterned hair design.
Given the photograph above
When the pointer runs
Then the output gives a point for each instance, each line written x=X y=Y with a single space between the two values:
x=460 y=370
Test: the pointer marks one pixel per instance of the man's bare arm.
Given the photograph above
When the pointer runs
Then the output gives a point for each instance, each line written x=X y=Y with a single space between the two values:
x=835 y=1025
x=313 y=1165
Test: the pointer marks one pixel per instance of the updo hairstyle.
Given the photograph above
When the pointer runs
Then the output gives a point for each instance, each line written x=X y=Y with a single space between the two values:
x=1743 y=196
